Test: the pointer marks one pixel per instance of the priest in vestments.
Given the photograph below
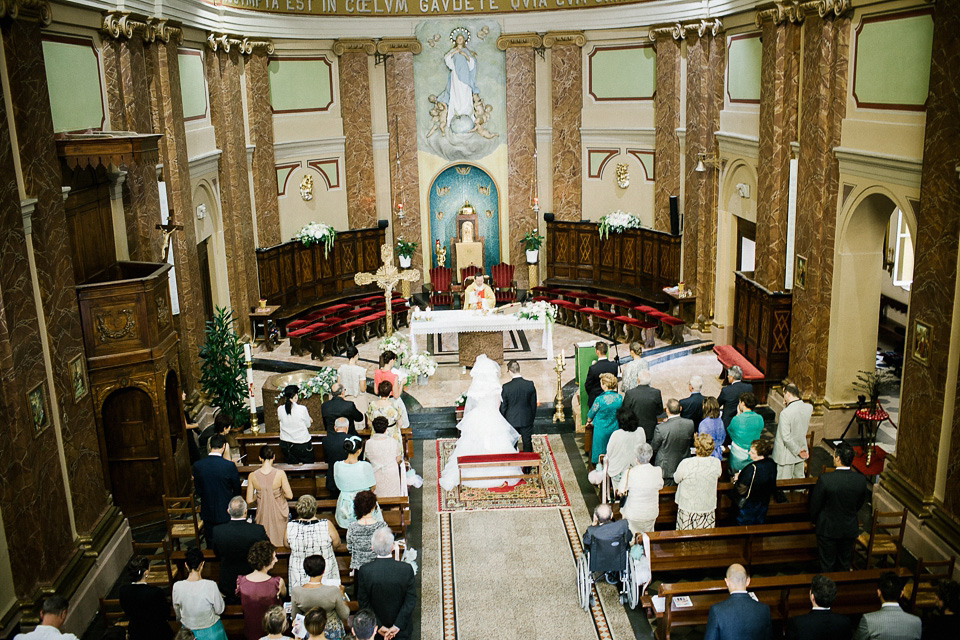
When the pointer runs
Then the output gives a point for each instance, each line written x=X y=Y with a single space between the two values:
x=479 y=295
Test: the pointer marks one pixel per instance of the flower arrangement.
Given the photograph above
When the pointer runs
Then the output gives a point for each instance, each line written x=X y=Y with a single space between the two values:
x=398 y=344
x=461 y=401
x=315 y=233
x=617 y=221
x=318 y=384
x=532 y=240
x=405 y=249
x=541 y=310
x=422 y=364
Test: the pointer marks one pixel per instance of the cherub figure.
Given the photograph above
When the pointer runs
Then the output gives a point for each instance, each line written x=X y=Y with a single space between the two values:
x=438 y=114
x=481 y=114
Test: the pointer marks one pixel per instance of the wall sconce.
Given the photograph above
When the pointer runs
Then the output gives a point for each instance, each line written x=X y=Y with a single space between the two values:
x=704 y=161
x=201 y=211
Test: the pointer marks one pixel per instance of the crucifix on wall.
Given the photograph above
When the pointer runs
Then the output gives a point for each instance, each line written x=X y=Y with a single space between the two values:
x=387 y=277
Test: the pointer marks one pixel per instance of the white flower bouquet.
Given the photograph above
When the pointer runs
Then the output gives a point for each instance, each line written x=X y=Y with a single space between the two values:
x=540 y=310
x=422 y=364
x=318 y=384
x=398 y=344
x=461 y=401
x=315 y=233
x=617 y=221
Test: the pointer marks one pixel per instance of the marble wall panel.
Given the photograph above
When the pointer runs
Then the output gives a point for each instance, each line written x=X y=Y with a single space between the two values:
x=166 y=108
x=823 y=97
x=358 y=150
x=226 y=114
x=935 y=274
x=567 y=76
x=406 y=175
x=666 y=105
x=779 y=86
x=521 y=147
x=34 y=490
x=264 y=164
x=52 y=256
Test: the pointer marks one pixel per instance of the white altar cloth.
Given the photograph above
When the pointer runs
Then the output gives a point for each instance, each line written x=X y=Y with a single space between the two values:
x=465 y=321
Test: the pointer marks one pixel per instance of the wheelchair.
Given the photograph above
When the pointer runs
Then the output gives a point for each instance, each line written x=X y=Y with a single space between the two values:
x=633 y=572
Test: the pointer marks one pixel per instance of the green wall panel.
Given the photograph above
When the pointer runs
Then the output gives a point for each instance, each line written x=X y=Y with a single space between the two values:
x=892 y=67
x=73 y=80
x=743 y=68
x=300 y=84
x=623 y=73
x=193 y=85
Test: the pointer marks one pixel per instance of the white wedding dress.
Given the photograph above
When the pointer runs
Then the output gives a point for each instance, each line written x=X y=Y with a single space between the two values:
x=483 y=430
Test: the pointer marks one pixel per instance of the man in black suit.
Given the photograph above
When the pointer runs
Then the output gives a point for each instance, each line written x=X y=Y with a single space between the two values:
x=388 y=587
x=602 y=365
x=834 y=503
x=729 y=398
x=820 y=623
x=519 y=405
x=337 y=407
x=739 y=617
x=691 y=407
x=216 y=481
x=231 y=544
x=333 y=451
x=671 y=442
x=646 y=403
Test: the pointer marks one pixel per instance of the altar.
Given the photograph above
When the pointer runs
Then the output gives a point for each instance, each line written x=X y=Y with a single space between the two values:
x=478 y=331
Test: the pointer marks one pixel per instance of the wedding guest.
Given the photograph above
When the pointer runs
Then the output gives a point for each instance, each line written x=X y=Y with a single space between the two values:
x=352 y=476
x=274 y=624
x=259 y=590
x=622 y=447
x=323 y=594
x=756 y=483
x=391 y=408
x=271 y=490
x=712 y=425
x=691 y=407
x=697 y=486
x=642 y=484
x=360 y=532
x=309 y=535
x=634 y=367
x=386 y=456
x=745 y=427
x=339 y=407
x=295 y=424
x=603 y=415
x=351 y=375
x=197 y=602
x=145 y=604
x=388 y=359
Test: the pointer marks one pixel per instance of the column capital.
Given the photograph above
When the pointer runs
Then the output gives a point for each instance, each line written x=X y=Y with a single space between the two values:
x=526 y=40
x=562 y=37
x=678 y=31
x=29 y=10
x=245 y=45
x=354 y=45
x=123 y=24
x=795 y=11
x=399 y=45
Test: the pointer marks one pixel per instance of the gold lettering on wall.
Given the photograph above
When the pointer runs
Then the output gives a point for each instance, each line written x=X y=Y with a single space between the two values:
x=412 y=8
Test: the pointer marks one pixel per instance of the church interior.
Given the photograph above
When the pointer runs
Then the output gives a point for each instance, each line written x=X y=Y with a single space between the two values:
x=278 y=189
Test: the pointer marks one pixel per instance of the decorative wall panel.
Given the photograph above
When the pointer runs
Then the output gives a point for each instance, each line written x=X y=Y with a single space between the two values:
x=666 y=107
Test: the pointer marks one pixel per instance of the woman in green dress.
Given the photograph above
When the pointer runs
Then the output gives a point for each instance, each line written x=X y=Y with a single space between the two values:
x=603 y=415
x=352 y=476
x=745 y=427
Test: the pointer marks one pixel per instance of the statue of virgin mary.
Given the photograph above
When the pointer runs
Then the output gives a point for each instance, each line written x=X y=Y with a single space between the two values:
x=461 y=84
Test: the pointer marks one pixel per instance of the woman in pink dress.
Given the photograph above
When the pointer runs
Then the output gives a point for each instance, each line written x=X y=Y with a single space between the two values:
x=259 y=590
x=387 y=360
x=386 y=456
x=271 y=489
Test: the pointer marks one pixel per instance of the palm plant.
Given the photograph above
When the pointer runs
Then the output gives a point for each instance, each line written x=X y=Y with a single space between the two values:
x=222 y=372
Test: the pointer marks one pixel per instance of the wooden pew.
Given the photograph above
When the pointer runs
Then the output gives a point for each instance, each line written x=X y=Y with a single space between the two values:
x=304 y=478
x=396 y=513
x=787 y=596
x=249 y=444
x=232 y=618
x=211 y=566
x=752 y=545
x=795 y=509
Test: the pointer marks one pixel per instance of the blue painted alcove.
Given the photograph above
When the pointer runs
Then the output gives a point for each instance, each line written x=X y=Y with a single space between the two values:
x=452 y=187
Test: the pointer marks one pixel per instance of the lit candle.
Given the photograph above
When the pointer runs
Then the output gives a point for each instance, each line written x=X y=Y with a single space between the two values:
x=536 y=201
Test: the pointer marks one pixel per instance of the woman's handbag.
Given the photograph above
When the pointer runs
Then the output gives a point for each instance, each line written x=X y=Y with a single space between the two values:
x=742 y=500
x=623 y=496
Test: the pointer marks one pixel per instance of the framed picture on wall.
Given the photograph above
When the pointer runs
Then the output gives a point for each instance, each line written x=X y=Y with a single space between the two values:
x=78 y=378
x=800 y=273
x=922 y=333
x=38 y=408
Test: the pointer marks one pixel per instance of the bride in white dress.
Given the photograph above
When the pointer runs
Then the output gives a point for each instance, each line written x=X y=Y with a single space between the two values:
x=483 y=430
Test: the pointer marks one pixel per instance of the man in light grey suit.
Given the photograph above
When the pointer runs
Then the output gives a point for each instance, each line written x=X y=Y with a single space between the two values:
x=891 y=622
x=672 y=439
x=790 y=442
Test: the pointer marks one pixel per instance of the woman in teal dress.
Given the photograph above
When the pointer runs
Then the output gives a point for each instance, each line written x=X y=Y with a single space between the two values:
x=745 y=427
x=603 y=415
x=352 y=476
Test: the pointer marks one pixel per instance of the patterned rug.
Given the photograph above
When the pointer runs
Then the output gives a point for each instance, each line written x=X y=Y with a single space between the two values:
x=528 y=495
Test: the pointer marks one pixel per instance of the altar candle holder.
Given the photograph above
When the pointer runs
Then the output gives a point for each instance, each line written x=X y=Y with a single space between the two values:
x=558 y=415
x=251 y=394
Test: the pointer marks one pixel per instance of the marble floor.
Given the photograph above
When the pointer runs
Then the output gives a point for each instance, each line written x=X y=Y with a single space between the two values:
x=671 y=368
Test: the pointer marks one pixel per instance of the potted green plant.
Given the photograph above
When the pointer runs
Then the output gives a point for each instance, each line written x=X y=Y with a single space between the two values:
x=405 y=251
x=874 y=384
x=222 y=370
x=532 y=241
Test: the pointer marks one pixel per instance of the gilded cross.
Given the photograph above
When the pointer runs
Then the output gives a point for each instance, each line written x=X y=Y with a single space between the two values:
x=387 y=277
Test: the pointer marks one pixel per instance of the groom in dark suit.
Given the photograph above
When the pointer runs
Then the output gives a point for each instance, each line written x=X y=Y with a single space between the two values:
x=519 y=405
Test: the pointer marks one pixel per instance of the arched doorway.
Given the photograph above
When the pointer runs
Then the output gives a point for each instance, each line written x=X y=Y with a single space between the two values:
x=133 y=450
x=876 y=232
x=450 y=189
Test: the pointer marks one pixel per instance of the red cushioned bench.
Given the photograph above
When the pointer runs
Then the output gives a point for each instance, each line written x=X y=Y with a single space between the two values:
x=523 y=459
x=729 y=357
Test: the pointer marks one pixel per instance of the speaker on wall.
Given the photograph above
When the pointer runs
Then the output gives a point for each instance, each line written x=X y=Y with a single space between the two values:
x=675 y=215
x=383 y=224
x=548 y=216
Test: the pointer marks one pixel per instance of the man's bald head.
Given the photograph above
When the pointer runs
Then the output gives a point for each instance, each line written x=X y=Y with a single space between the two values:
x=603 y=513
x=737 y=578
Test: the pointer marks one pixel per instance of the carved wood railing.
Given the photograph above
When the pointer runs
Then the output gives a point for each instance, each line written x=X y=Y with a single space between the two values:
x=761 y=326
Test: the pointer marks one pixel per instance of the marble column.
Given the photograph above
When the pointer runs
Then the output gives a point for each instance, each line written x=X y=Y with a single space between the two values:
x=358 y=130
x=260 y=114
x=167 y=113
x=666 y=106
x=567 y=79
x=128 y=102
x=41 y=174
x=779 y=85
x=402 y=127
x=927 y=392
x=521 y=147
x=705 y=69
x=226 y=115
x=823 y=106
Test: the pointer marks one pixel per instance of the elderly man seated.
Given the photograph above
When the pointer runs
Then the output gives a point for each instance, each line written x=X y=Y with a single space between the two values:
x=479 y=295
x=608 y=543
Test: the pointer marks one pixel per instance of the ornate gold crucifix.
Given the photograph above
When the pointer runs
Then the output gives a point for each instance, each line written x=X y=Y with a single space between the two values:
x=387 y=277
